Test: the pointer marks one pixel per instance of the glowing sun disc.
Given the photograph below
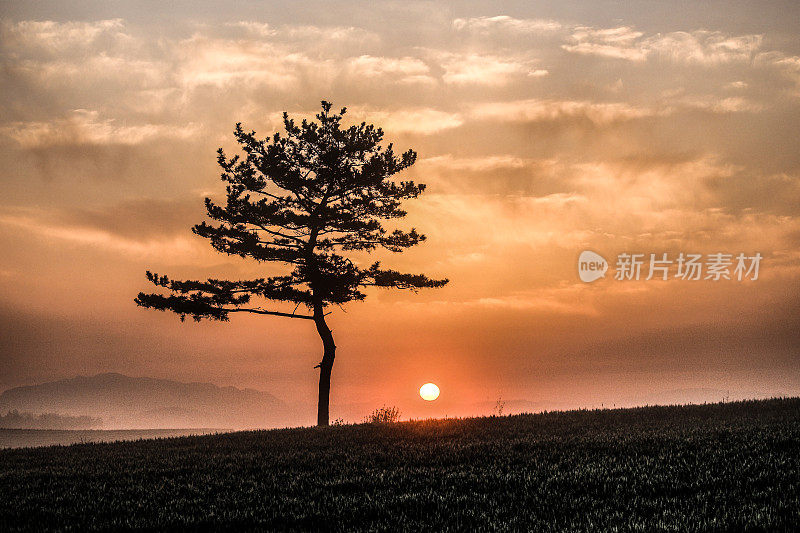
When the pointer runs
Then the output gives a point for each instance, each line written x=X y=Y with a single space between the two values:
x=429 y=392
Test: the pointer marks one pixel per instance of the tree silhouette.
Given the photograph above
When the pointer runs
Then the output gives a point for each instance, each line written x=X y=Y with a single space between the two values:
x=303 y=199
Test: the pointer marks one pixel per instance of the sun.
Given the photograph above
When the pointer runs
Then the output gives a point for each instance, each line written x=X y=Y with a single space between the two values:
x=429 y=392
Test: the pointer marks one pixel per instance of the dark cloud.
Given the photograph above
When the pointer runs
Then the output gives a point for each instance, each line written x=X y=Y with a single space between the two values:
x=142 y=219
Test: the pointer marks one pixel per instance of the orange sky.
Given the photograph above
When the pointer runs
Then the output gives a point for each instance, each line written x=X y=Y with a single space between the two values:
x=541 y=132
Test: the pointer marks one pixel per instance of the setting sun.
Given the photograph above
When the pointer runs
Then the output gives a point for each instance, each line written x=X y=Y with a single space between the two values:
x=429 y=392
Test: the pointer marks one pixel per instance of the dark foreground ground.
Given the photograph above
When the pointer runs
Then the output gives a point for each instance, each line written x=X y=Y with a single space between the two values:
x=723 y=467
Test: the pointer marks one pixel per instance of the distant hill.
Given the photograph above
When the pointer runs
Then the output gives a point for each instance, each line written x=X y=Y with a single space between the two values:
x=147 y=403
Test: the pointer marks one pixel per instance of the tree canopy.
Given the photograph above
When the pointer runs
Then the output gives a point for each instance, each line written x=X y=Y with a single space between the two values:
x=303 y=198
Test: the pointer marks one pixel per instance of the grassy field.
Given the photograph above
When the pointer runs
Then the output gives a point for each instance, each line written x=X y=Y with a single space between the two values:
x=733 y=466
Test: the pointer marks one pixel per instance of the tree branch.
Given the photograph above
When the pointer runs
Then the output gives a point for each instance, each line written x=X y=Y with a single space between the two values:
x=264 y=312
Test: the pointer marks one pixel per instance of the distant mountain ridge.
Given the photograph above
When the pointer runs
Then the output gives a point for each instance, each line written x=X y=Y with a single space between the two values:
x=149 y=403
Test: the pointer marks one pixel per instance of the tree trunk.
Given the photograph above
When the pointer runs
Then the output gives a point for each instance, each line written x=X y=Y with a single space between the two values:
x=325 y=366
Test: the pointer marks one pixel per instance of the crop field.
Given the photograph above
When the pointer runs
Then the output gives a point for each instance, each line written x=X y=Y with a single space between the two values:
x=721 y=467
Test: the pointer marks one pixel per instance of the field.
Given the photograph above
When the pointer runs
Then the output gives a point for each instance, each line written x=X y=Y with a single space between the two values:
x=722 y=467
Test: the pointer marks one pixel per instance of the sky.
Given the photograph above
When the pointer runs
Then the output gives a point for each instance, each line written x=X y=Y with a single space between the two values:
x=542 y=130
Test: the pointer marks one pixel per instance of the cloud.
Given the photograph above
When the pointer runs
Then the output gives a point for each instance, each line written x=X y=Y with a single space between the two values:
x=260 y=29
x=704 y=47
x=738 y=84
x=78 y=59
x=548 y=301
x=424 y=121
x=404 y=69
x=494 y=174
x=788 y=66
x=532 y=221
x=339 y=36
x=140 y=219
x=116 y=68
x=604 y=113
x=536 y=110
x=308 y=34
x=660 y=205
x=474 y=164
x=485 y=69
x=715 y=104
x=173 y=248
x=141 y=227
x=505 y=23
x=50 y=37
x=85 y=127
x=221 y=63
x=619 y=43
x=697 y=47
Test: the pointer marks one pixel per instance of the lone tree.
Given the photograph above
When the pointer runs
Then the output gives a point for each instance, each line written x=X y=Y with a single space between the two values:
x=304 y=199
